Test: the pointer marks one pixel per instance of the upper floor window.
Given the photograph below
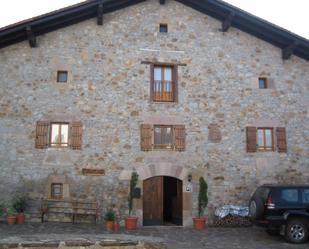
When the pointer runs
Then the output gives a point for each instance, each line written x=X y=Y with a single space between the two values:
x=265 y=139
x=263 y=83
x=62 y=76
x=163 y=28
x=164 y=83
x=162 y=137
x=59 y=135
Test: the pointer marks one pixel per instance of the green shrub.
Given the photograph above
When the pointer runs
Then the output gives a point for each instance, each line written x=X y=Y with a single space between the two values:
x=19 y=204
x=110 y=215
x=133 y=183
x=10 y=210
x=202 y=197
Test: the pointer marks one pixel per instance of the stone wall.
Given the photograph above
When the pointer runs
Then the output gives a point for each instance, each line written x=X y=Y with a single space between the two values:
x=108 y=90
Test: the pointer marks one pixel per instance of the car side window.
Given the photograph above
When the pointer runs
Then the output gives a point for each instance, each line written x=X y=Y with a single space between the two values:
x=305 y=195
x=289 y=195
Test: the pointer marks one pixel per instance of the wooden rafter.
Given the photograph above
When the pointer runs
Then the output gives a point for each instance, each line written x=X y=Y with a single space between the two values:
x=31 y=37
x=100 y=14
x=227 y=22
x=289 y=50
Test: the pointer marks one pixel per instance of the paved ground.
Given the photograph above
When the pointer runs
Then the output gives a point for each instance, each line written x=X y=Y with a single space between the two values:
x=173 y=237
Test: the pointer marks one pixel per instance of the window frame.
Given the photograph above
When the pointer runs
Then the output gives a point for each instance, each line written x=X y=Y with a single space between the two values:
x=58 y=76
x=265 y=148
x=59 y=145
x=163 y=146
x=52 y=194
x=162 y=83
x=164 y=27
x=265 y=82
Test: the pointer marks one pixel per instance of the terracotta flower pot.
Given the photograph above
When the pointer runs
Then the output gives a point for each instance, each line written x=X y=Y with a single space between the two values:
x=199 y=223
x=116 y=227
x=109 y=224
x=11 y=220
x=20 y=218
x=131 y=222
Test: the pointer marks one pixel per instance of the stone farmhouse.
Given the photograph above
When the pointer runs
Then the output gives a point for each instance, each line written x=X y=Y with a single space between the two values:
x=174 y=90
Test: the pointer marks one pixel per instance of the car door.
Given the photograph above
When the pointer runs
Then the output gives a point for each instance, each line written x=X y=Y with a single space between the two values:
x=305 y=198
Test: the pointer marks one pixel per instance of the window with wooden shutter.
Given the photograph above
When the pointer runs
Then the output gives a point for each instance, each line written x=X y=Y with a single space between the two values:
x=265 y=139
x=180 y=137
x=281 y=139
x=163 y=83
x=76 y=135
x=163 y=137
x=59 y=134
x=251 y=139
x=175 y=72
x=146 y=137
x=41 y=138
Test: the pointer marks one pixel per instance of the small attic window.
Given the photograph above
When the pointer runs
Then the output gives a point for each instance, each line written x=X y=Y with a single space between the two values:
x=263 y=83
x=62 y=76
x=163 y=28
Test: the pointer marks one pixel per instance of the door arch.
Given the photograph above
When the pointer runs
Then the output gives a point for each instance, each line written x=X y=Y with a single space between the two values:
x=162 y=201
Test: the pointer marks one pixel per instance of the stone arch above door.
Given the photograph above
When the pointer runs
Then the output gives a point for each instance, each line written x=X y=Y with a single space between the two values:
x=162 y=169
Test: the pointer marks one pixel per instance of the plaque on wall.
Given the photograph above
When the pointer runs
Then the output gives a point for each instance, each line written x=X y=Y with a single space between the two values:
x=93 y=172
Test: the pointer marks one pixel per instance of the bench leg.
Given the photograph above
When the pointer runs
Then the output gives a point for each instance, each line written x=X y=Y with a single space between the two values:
x=73 y=218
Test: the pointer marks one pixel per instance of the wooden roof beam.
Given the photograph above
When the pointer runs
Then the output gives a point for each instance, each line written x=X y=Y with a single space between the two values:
x=289 y=50
x=227 y=22
x=100 y=14
x=162 y=1
x=31 y=37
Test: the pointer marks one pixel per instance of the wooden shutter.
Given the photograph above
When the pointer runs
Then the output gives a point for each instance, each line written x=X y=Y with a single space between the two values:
x=251 y=139
x=180 y=137
x=151 y=81
x=146 y=137
x=41 y=137
x=76 y=135
x=175 y=78
x=281 y=139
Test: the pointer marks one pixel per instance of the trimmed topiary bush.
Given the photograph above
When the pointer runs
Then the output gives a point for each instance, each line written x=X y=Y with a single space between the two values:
x=133 y=183
x=202 y=197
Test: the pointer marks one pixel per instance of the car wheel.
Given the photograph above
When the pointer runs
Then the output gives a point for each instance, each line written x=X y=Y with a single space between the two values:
x=296 y=230
x=256 y=209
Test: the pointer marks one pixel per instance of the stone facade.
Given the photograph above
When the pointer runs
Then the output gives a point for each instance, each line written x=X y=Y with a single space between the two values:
x=108 y=91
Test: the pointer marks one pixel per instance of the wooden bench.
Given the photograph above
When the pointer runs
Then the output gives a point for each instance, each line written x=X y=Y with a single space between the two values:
x=73 y=207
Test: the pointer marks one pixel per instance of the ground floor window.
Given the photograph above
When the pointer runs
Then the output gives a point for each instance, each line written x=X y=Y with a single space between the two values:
x=265 y=139
x=57 y=191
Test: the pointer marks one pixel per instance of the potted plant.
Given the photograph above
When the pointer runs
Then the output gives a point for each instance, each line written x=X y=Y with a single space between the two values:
x=109 y=220
x=199 y=222
x=116 y=225
x=10 y=215
x=19 y=205
x=131 y=221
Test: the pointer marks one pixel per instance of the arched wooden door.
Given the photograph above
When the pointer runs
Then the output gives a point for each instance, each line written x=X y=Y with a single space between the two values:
x=162 y=201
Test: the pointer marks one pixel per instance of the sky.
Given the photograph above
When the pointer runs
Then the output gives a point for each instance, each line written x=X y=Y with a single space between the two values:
x=291 y=15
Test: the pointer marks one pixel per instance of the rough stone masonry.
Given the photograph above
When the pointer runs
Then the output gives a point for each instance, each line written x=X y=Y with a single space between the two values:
x=108 y=91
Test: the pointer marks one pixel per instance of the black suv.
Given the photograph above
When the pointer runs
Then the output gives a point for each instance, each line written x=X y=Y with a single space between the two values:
x=282 y=208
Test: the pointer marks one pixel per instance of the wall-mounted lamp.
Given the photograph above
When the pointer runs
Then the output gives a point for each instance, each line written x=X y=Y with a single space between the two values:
x=189 y=178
